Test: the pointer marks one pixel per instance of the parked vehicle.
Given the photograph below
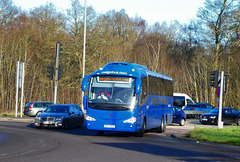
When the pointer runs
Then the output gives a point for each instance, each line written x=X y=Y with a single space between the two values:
x=178 y=116
x=60 y=115
x=181 y=100
x=229 y=115
x=194 y=110
x=35 y=108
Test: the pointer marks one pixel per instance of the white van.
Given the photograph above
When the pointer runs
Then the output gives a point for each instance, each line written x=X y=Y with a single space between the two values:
x=181 y=100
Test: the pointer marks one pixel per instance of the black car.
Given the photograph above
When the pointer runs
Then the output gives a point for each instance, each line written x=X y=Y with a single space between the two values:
x=229 y=115
x=60 y=115
x=179 y=116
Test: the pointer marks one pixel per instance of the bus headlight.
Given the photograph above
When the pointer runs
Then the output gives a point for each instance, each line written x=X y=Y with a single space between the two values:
x=89 y=118
x=131 y=120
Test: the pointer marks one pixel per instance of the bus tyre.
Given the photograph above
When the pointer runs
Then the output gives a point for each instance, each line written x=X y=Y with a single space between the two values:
x=164 y=124
x=140 y=133
x=100 y=133
x=160 y=129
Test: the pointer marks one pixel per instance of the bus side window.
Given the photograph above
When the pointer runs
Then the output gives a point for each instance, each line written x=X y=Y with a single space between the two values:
x=143 y=94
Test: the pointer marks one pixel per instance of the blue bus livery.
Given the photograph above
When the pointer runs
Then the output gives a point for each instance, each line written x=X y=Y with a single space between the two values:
x=127 y=97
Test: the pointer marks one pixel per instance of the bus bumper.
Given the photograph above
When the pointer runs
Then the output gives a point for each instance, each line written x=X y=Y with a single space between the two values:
x=111 y=126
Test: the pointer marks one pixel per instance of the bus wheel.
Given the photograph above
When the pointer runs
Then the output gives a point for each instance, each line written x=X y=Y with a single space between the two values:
x=100 y=133
x=164 y=124
x=160 y=129
x=140 y=133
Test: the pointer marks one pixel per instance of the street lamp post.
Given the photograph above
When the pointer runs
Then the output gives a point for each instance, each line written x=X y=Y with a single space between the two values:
x=84 y=45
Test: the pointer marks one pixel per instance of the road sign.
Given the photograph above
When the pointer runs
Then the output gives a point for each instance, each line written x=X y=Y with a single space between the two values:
x=218 y=92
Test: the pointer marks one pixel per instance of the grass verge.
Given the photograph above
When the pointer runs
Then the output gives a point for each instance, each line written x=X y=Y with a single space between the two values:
x=229 y=135
x=9 y=115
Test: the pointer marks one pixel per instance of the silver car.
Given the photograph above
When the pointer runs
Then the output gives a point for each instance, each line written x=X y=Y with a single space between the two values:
x=35 y=108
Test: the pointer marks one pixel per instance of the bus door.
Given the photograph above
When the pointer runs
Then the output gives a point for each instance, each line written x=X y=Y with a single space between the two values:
x=155 y=112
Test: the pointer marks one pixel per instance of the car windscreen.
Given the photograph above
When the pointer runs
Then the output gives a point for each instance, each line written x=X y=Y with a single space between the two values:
x=177 y=109
x=112 y=92
x=178 y=101
x=190 y=105
x=214 y=110
x=57 y=109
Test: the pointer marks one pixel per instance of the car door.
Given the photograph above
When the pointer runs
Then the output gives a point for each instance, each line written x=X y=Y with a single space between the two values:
x=78 y=113
x=71 y=117
x=235 y=115
x=227 y=116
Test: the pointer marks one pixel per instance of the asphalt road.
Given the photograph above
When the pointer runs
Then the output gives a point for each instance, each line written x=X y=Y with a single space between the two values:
x=21 y=141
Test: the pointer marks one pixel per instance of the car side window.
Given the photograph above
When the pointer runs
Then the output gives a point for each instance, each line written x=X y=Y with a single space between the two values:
x=234 y=111
x=208 y=106
x=47 y=104
x=189 y=101
x=71 y=109
x=38 y=105
x=227 y=111
x=76 y=108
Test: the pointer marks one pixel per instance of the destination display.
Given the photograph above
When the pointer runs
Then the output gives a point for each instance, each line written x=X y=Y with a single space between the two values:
x=113 y=79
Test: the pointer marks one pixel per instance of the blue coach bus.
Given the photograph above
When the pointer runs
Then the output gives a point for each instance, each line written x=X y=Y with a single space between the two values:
x=127 y=97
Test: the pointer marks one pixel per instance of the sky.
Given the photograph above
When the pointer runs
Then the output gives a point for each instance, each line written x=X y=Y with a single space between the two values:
x=150 y=10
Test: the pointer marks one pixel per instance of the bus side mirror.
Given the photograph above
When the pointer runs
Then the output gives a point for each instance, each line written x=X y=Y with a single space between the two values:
x=84 y=101
x=85 y=82
x=138 y=86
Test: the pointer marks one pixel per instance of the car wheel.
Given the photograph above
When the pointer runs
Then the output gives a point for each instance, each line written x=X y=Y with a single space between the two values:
x=182 y=122
x=237 y=122
x=80 y=123
x=66 y=125
x=203 y=123
x=140 y=133
x=38 y=127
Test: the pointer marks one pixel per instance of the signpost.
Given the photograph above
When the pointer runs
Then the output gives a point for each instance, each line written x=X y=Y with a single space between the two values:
x=219 y=82
x=218 y=92
x=19 y=84
x=220 y=123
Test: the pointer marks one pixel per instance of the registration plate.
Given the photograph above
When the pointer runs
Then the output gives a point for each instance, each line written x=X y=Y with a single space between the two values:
x=47 y=122
x=109 y=126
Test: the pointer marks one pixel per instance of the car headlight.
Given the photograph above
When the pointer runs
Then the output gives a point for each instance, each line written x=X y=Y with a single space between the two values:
x=59 y=118
x=212 y=117
x=38 y=118
x=89 y=118
x=131 y=120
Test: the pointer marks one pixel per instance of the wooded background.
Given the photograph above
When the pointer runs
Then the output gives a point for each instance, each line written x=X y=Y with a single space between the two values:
x=185 y=52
